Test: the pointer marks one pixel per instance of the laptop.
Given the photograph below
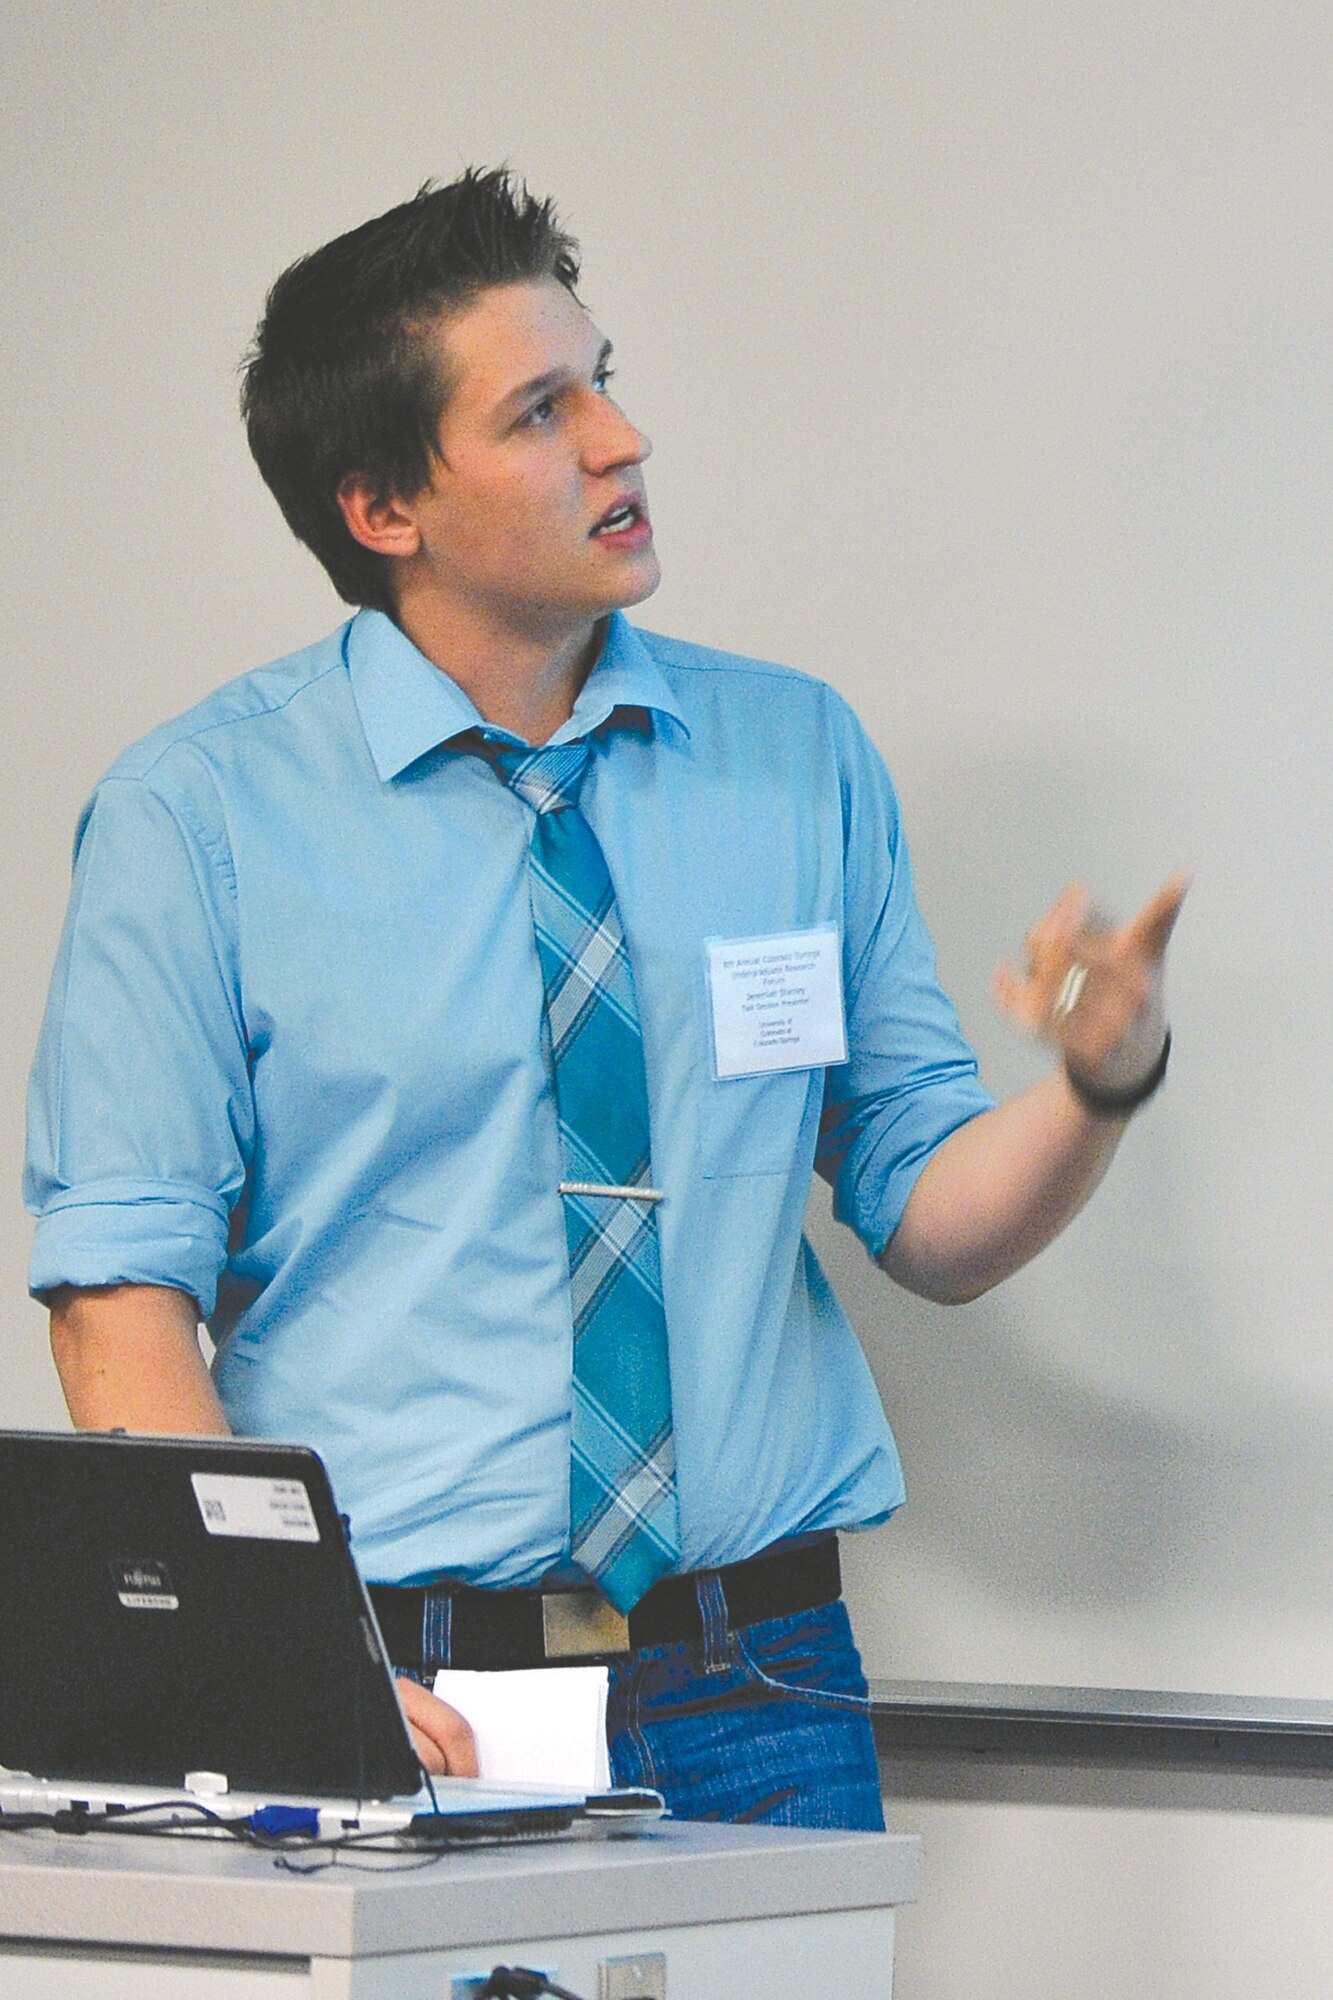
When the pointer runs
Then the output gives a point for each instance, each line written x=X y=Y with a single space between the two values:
x=186 y=1638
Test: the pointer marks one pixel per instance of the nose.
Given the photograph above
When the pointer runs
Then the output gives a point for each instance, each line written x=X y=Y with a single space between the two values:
x=611 y=439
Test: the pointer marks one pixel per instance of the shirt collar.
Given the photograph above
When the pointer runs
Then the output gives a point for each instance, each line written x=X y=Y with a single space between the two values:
x=409 y=706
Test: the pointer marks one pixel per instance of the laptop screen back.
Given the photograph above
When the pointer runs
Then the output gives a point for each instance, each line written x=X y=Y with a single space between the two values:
x=173 y=1605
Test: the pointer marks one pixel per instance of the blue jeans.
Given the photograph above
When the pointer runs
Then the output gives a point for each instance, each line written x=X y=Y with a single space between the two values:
x=768 y=1724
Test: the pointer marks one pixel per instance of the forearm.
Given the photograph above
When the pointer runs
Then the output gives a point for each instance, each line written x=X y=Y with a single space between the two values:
x=999 y=1190
x=128 y=1358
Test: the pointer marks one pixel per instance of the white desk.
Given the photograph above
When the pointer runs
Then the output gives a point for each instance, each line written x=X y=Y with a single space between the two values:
x=738 y=1911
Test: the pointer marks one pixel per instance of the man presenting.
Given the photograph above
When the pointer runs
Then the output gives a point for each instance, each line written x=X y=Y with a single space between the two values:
x=452 y=1015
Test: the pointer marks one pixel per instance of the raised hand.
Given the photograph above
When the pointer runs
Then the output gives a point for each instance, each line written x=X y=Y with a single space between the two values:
x=1092 y=989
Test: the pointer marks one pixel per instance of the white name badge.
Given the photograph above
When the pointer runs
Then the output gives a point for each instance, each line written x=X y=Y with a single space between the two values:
x=777 y=1002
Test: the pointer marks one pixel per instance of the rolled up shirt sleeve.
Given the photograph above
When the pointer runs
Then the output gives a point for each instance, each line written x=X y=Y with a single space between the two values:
x=141 y=1115
x=910 y=1078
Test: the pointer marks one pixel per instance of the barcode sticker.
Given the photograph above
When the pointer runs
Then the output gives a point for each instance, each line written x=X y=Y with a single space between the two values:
x=264 y=1510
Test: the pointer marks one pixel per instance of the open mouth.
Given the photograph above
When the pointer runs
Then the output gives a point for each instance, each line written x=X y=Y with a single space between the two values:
x=618 y=520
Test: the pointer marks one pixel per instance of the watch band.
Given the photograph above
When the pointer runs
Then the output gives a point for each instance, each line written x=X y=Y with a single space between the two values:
x=1119 y=1103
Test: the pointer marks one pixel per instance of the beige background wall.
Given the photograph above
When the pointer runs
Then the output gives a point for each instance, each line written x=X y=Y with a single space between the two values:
x=986 y=349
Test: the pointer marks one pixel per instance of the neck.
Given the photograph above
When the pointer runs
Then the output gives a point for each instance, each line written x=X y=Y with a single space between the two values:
x=525 y=682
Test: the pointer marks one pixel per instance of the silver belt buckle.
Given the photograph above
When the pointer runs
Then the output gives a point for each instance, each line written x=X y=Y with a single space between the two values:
x=580 y=1624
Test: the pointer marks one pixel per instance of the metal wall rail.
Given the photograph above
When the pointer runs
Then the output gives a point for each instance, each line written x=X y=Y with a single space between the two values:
x=1103 y=1746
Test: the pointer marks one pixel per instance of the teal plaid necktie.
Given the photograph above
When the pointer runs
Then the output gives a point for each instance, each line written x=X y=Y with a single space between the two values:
x=623 y=1520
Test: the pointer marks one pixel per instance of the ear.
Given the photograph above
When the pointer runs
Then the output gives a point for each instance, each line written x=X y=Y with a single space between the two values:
x=378 y=523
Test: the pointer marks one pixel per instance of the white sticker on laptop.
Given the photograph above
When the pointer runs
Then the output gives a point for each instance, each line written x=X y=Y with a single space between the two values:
x=777 y=1002
x=260 y=1510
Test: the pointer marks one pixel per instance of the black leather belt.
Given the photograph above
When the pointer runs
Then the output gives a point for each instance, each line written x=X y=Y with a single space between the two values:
x=497 y=1629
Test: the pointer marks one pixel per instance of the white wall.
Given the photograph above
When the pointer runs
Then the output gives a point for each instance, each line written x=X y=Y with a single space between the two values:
x=986 y=352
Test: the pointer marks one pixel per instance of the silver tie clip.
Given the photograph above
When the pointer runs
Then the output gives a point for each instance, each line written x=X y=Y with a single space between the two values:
x=615 y=1193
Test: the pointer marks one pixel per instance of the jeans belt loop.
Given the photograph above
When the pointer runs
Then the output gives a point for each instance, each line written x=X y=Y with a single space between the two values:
x=713 y=1612
x=437 y=1623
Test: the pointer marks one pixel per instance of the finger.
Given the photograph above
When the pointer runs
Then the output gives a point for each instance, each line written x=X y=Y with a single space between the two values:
x=458 y=1744
x=428 y=1754
x=443 y=1738
x=1061 y=922
x=1016 y=997
x=1152 y=928
x=447 y=1752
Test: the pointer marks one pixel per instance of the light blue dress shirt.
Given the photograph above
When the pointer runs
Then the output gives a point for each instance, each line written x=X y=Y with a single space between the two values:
x=293 y=1065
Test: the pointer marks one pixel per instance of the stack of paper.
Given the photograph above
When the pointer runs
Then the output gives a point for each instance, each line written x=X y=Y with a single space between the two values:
x=536 y=1725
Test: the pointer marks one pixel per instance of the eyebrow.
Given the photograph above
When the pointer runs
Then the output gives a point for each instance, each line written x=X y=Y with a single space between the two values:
x=554 y=378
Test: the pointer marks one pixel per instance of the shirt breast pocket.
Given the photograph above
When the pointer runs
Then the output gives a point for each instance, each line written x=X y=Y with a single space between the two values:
x=759 y=1124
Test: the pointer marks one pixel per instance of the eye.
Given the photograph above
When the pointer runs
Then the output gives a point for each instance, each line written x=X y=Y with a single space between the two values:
x=603 y=378
x=540 y=413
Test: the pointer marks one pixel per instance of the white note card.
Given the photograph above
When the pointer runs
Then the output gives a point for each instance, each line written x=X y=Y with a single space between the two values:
x=535 y=1725
x=777 y=1001
x=260 y=1510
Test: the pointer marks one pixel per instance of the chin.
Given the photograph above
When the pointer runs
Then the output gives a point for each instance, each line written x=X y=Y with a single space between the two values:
x=638 y=588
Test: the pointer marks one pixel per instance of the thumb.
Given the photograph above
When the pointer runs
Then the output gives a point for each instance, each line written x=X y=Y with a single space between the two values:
x=1151 y=929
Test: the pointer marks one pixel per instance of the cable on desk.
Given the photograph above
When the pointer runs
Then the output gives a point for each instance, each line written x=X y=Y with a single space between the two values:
x=275 y=1836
